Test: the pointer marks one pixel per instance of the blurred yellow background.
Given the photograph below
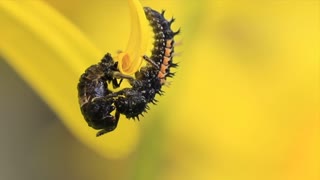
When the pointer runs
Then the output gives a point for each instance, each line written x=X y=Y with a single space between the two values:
x=244 y=103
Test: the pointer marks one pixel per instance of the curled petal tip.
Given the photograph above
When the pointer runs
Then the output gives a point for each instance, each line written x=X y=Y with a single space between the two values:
x=131 y=59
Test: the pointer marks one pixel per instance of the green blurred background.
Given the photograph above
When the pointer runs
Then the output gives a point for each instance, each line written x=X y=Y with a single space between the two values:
x=244 y=103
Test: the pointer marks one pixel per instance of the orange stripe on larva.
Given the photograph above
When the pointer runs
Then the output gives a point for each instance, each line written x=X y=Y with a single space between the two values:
x=166 y=60
x=167 y=52
x=169 y=43
x=161 y=75
x=163 y=68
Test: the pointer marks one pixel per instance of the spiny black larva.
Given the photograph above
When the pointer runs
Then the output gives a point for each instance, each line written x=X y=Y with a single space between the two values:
x=97 y=102
x=163 y=44
x=149 y=80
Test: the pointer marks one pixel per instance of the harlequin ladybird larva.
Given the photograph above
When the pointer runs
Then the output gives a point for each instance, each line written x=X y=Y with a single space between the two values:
x=163 y=44
x=97 y=102
x=149 y=80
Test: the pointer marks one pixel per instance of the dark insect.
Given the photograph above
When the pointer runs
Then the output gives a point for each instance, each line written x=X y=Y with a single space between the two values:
x=97 y=102
x=95 y=99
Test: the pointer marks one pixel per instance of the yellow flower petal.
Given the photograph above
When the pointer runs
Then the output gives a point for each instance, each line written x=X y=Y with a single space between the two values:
x=50 y=53
x=131 y=59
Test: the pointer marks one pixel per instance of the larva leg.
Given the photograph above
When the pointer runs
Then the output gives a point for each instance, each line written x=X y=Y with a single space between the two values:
x=150 y=61
x=117 y=75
